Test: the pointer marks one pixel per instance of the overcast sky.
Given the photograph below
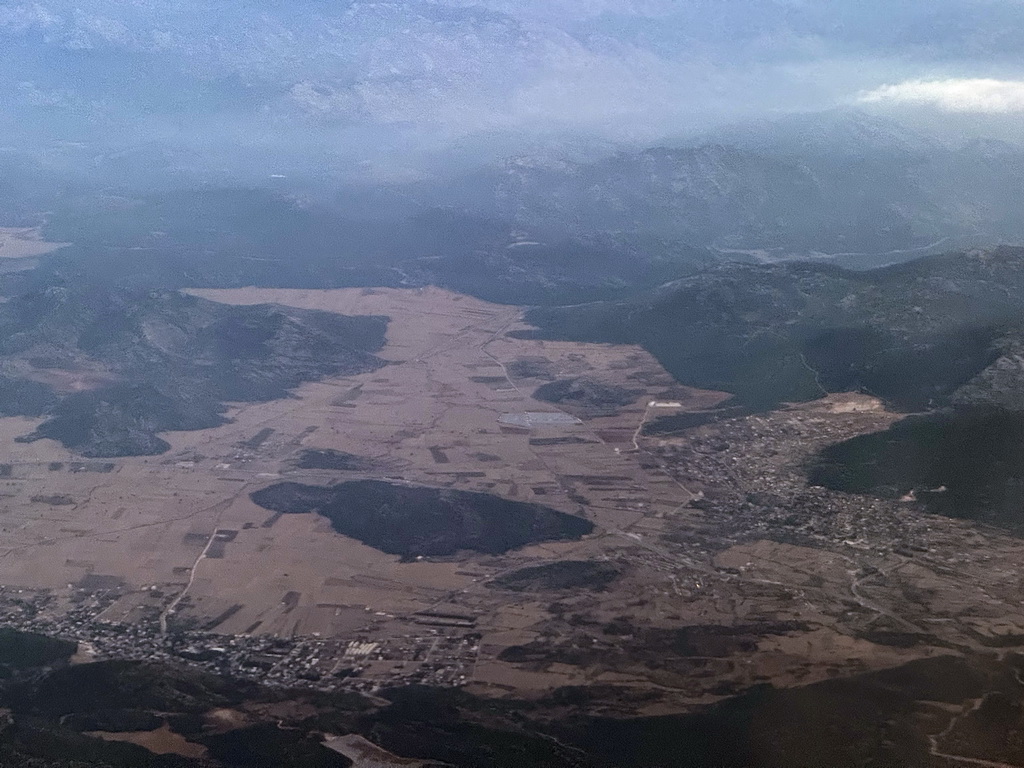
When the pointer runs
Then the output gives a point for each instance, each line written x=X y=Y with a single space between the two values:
x=706 y=60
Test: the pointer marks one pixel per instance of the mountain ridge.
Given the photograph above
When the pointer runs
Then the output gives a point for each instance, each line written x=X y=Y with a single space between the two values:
x=114 y=367
x=913 y=333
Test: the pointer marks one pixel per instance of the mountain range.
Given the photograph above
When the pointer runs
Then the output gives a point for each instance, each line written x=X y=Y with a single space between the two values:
x=840 y=182
x=919 y=334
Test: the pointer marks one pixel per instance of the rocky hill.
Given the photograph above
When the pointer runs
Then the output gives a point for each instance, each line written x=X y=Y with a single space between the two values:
x=414 y=521
x=918 y=334
x=942 y=335
x=111 y=368
x=966 y=462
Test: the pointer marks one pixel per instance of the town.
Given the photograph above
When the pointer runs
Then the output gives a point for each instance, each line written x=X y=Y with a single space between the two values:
x=443 y=655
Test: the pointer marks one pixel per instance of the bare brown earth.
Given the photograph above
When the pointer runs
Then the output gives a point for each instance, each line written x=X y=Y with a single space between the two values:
x=179 y=536
x=162 y=741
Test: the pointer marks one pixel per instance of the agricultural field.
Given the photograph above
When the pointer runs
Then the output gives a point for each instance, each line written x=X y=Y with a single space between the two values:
x=534 y=524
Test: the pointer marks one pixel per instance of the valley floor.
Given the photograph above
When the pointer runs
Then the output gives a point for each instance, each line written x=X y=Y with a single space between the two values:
x=724 y=569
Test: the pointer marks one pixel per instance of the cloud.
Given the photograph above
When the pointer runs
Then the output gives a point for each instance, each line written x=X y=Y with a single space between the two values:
x=953 y=95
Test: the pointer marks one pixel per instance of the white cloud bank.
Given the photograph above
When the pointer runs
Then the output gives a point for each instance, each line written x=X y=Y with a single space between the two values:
x=953 y=95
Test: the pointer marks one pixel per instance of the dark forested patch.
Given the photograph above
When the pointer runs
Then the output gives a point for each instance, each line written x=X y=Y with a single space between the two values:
x=160 y=360
x=327 y=458
x=29 y=649
x=912 y=334
x=411 y=520
x=964 y=463
x=587 y=395
x=591 y=575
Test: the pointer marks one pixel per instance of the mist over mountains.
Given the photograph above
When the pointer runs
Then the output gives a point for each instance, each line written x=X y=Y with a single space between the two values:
x=767 y=126
x=400 y=87
x=833 y=183
x=843 y=185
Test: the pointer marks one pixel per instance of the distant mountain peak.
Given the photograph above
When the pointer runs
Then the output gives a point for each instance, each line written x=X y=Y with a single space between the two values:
x=833 y=132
